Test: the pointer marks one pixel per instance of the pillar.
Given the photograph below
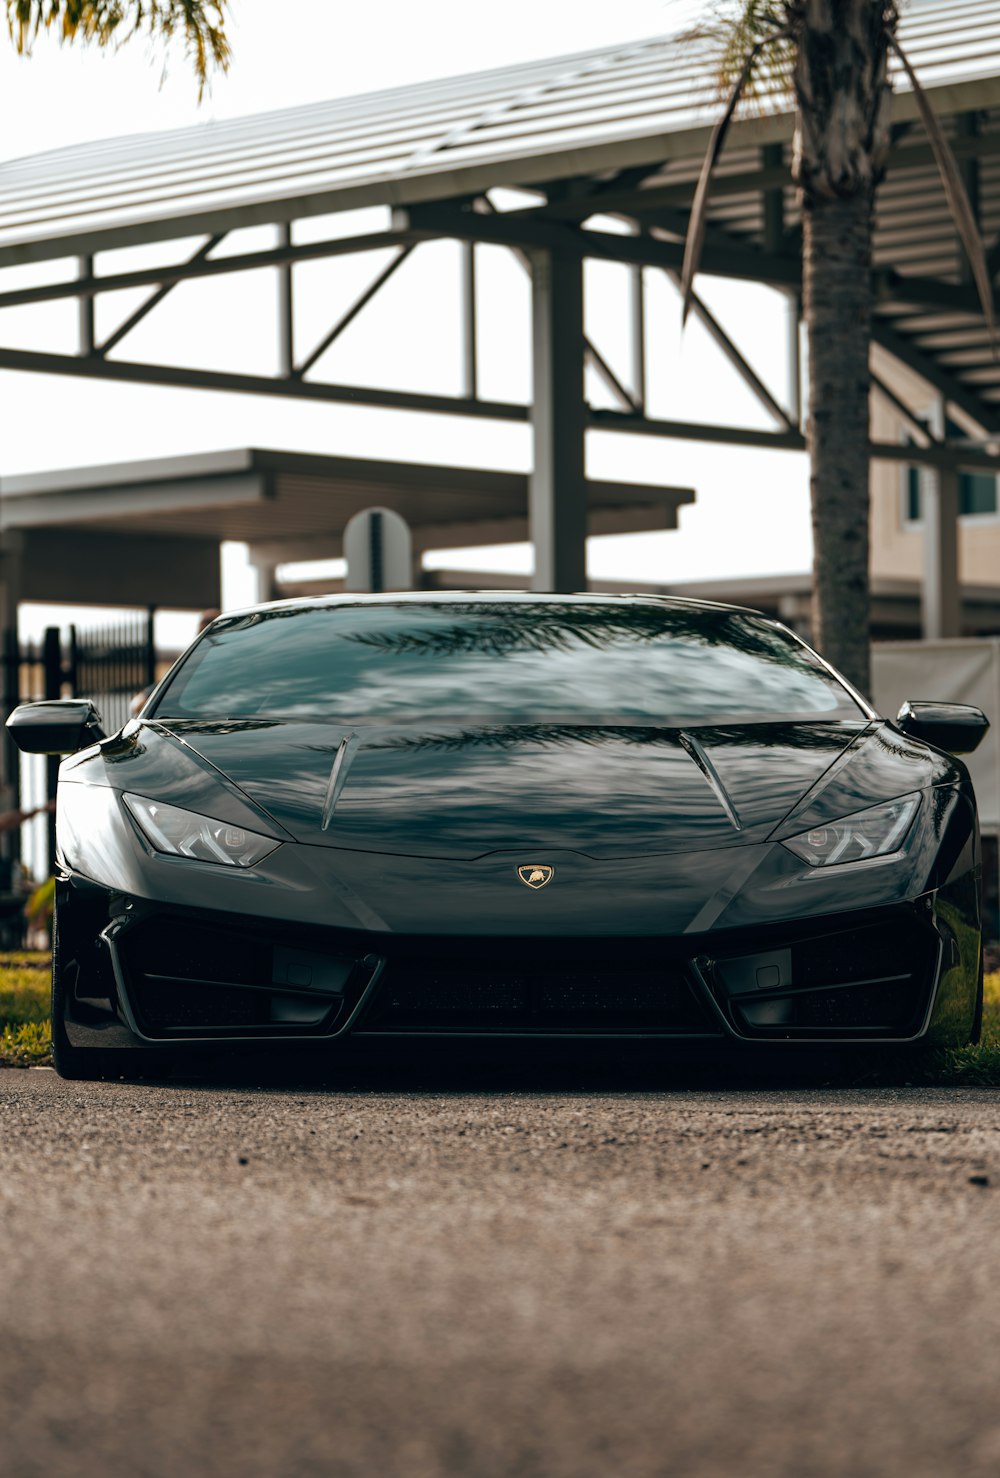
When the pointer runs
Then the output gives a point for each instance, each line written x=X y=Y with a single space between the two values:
x=557 y=500
x=940 y=597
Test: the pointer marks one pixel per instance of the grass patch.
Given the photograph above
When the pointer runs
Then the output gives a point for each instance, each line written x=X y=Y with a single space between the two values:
x=974 y=1066
x=25 y=1038
x=28 y=1045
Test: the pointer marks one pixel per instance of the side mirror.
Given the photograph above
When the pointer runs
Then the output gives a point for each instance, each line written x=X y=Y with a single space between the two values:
x=58 y=726
x=955 y=727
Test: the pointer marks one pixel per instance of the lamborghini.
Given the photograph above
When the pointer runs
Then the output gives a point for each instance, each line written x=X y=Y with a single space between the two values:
x=507 y=815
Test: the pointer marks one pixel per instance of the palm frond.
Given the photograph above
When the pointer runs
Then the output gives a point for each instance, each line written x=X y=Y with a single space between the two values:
x=955 y=193
x=200 y=25
x=698 y=220
x=734 y=29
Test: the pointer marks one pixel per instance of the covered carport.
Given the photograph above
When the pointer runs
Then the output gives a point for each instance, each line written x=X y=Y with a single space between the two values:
x=602 y=150
x=148 y=533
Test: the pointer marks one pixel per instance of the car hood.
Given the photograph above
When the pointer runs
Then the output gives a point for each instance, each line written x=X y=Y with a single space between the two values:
x=461 y=792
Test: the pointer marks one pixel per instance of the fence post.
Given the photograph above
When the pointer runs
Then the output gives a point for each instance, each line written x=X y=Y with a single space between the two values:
x=52 y=663
x=150 y=648
x=71 y=674
x=12 y=755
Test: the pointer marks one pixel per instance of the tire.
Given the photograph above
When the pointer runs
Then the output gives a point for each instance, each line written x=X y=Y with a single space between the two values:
x=90 y=1063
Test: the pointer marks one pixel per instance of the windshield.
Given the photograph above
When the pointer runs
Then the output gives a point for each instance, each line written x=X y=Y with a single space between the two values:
x=504 y=660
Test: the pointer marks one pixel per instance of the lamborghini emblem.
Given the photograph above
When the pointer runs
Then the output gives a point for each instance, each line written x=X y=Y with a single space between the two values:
x=536 y=875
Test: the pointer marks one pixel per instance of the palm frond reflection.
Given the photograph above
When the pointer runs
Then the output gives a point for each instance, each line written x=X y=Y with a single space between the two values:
x=577 y=661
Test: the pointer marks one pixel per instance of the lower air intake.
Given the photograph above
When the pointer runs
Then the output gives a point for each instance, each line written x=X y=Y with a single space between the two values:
x=193 y=979
x=875 y=980
x=482 y=996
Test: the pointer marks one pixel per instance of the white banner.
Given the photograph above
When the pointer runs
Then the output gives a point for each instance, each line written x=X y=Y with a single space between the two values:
x=966 y=671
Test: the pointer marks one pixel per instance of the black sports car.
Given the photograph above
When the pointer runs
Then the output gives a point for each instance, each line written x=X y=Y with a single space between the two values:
x=508 y=815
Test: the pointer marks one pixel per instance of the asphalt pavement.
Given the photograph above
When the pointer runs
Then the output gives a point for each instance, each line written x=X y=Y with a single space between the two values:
x=572 y=1277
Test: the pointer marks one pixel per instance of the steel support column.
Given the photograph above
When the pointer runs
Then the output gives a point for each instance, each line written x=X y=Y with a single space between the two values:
x=470 y=346
x=85 y=308
x=11 y=547
x=637 y=303
x=794 y=312
x=941 y=600
x=941 y=606
x=286 y=308
x=557 y=502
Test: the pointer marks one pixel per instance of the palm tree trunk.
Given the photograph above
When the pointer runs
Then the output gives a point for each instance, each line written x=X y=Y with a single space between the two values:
x=836 y=248
x=842 y=138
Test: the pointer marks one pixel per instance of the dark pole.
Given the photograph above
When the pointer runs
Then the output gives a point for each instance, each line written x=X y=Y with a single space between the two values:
x=52 y=665
x=150 y=647
x=558 y=499
x=12 y=767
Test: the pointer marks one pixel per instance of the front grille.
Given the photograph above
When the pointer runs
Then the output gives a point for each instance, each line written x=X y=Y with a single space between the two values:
x=884 y=1007
x=189 y=975
x=177 y=1005
x=875 y=980
x=478 y=994
x=192 y=978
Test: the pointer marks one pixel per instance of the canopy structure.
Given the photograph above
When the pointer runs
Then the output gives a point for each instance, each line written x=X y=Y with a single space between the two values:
x=150 y=530
x=608 y=143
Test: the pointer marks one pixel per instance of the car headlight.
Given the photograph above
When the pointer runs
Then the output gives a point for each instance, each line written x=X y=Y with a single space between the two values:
x=875 y=832
x=182 y=833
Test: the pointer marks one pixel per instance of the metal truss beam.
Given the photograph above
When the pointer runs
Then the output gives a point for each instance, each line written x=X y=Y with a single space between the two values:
x=624 y=201
x=593 y=355
x=171 y=376
x=967 y=127
x=736 y=260
x=925 y=292
x=938 y=454
x=751 y=181
x=130 y=372
x=145 y=308
x=514 y=229
x=721 y=258
x=588 y=188
x=356 y=307
x=279 y=256
x=596 y=360
x=745 y=370
x=896 y=344
x=915 y=422
x=602 y=420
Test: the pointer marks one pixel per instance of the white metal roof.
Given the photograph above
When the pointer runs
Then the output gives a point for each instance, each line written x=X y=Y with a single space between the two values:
x=636 y=103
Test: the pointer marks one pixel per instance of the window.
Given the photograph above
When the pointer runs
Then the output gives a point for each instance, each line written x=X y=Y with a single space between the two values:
x=977 y=491
x=510 y=661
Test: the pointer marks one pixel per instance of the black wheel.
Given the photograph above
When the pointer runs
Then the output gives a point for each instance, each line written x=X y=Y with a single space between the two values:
x=976 y=1033
x=88 y=1063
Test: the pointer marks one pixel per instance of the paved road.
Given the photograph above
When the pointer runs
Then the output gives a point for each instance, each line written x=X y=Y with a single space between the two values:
x=389 y=1279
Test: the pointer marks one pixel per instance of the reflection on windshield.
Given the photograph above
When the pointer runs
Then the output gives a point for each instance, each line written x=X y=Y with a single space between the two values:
x=512 y=660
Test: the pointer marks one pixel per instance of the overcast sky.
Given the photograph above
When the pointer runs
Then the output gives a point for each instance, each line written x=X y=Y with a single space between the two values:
x=752 y=509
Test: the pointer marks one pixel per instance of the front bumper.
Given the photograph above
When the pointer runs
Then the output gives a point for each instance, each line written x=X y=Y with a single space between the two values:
x=169 y=976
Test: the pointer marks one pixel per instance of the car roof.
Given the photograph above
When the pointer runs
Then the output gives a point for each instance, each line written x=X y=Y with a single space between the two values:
x=491 y=597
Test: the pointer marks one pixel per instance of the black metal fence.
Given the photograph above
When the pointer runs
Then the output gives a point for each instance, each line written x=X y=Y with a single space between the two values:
x=110 y=664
